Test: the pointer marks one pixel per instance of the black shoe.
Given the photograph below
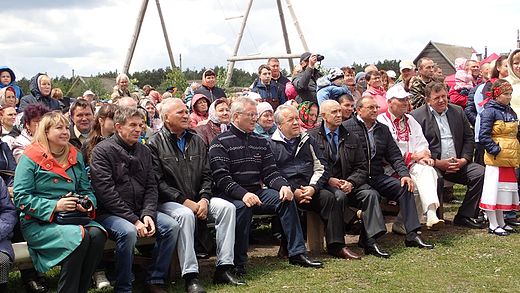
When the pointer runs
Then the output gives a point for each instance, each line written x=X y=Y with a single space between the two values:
x=239 y=271
x=194 y=286
x=373 y=249
x=227 y=277
x=35 y=286
x=499 y=233
x=467 y=222
x=304 y=261
x=512 y=222
x=417 y=241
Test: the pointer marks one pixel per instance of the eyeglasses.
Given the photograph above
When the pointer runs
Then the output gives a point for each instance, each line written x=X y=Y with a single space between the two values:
x=251 y=115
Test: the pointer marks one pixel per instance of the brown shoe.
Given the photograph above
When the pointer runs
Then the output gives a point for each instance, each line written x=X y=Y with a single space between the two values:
x=346 y=253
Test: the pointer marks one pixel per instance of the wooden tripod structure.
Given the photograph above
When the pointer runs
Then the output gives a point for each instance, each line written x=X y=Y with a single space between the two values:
x=137 y=30
x=231 y=60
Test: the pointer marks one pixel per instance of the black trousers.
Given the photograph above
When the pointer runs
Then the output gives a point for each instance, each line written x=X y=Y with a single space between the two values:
x=390 y=188
x=331 y=213
x=77 y=268
x=367 y=199
x=471 y=175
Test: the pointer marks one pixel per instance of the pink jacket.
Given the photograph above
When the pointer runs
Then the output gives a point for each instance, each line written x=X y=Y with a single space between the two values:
x=380 y=95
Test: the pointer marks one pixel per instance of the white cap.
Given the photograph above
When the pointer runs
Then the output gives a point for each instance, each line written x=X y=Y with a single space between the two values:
x=391 y=74
x=397 y=91
x=89 y=93
x=406 y=64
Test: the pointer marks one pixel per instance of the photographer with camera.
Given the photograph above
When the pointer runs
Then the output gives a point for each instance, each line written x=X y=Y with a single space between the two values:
x=56 y=203
x=305 y=81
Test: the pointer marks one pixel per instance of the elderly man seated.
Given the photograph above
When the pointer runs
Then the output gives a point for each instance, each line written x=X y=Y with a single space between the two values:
x=408 y=136
x=301 y=162
x=451 y=142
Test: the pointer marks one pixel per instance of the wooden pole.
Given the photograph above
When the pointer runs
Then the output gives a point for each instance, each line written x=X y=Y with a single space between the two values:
x=168 y=47
x=297 y=25
x=284 y=31
x=133 y=42
x=231 y=64
x=260 y=57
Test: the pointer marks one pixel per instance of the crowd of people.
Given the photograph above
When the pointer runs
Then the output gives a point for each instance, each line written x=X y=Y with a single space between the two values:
x=148 y=165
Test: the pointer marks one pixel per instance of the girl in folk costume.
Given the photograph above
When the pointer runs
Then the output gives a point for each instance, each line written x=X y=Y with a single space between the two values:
x=407 y=134
x=500 y=137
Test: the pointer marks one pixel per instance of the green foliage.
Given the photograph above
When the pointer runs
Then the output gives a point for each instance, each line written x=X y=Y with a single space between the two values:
x=176 y=78
x=94 y=84
x=381 y=65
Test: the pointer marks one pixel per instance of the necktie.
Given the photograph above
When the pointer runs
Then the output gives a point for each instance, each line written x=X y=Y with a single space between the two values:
x=333 y=145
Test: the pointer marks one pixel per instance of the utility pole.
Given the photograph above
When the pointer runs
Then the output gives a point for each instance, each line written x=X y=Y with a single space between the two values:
x=135 y=36
x=168 y=47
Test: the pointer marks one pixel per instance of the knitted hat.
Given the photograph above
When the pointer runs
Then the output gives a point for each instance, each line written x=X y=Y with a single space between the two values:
x=359 y=76
x=262 y=107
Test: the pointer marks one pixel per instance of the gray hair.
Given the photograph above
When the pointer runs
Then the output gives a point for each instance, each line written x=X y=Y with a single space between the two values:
x=121 y=76
x=122 y=114
x=127 y=102
x=166 y=106
x=239 y=105
x=359 y=102
x=278 y=117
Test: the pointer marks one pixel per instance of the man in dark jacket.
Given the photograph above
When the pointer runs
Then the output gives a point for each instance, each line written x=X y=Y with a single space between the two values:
x=180 y=160
x=379 y=147
x=301 y=162
x=241 y=161
x=82 y=116
x=40 y=88
x=126 y=187
x=276 y=75
x=348 y=175
x=267 y=89
x=451 y=141
x=305 y=81
x=209 y=88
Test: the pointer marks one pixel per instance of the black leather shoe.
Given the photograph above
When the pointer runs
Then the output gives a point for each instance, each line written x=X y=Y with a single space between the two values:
x=417 y=241
x=194 y=286
x=304 y=261
x=467 y=222
x=226 y=277
x=373 y=249
x=202 y=255
x=34 y=286
x=512 y=222
x=239 y=271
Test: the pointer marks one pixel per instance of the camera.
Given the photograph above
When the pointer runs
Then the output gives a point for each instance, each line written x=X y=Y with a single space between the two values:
x=319 y=57
x=83 y=201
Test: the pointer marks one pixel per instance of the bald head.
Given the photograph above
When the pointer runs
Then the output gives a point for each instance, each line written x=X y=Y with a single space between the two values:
x=127 y=102
x=330 y=111
x=327 y=105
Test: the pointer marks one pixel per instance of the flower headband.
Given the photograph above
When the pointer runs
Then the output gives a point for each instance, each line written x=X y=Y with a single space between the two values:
x=503 y=88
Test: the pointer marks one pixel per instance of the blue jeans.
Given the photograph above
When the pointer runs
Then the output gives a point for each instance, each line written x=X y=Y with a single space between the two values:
x=288 y=214
x=124 y=234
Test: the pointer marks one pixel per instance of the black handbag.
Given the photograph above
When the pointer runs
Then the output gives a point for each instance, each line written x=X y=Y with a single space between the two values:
x=74 y=217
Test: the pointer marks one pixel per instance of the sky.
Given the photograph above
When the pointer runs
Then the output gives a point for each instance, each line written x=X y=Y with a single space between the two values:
x=94 y=36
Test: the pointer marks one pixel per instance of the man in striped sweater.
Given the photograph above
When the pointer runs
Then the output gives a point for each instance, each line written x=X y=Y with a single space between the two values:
x=241 y=162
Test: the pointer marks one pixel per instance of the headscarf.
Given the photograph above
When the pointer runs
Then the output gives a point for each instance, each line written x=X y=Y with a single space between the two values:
x=303 y=113
x=212 y=113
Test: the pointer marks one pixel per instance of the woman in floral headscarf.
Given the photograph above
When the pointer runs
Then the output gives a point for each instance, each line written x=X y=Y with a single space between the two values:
x=218 y=122
x=308 y=114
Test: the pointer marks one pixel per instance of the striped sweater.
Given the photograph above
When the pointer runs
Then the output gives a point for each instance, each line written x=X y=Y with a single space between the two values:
x=241 y=162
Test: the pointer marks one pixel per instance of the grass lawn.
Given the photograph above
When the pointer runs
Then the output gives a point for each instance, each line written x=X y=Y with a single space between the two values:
x=463 y=260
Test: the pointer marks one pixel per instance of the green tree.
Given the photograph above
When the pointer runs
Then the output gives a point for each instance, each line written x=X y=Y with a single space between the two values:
x=94 y=84
x=176 y=78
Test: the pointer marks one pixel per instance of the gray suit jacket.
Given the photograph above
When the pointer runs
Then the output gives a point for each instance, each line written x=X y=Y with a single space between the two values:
x=461 y=131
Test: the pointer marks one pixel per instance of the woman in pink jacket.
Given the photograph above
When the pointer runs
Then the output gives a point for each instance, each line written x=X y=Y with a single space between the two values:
x=375 y=89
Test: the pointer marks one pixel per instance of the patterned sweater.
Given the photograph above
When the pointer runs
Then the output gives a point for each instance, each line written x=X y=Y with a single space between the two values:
x=241 y=162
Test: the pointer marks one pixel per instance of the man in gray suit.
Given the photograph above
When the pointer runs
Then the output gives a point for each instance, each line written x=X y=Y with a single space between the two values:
x=451 y=144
